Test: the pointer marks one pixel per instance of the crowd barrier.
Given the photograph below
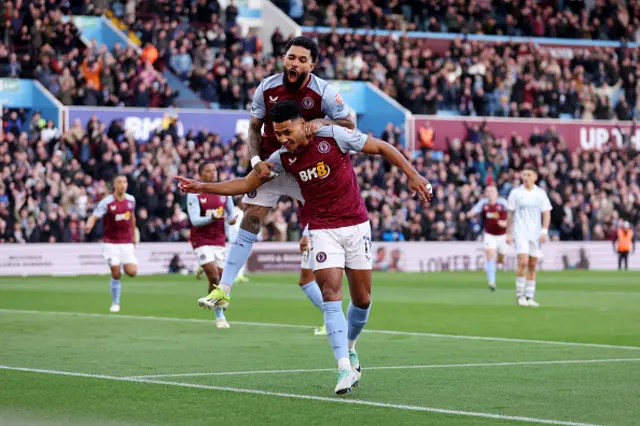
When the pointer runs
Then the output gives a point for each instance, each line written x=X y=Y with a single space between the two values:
x=154 y=258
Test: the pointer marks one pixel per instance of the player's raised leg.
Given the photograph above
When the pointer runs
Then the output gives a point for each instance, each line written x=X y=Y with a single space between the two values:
x=213 y=276
x=240 y=249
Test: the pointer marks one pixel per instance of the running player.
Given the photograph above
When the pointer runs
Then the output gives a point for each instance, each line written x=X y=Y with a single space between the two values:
x=119 y=237
x=339 y=225
x=494 y=216
x=321 y=105
x=207 y=214
x=528 y=203
x=307 y=281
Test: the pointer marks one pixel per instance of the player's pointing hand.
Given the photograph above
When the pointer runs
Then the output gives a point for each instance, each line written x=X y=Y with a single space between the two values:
x=422 y=187
x=188 y=185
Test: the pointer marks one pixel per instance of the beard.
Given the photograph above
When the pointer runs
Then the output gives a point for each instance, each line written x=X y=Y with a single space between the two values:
x=294 y=86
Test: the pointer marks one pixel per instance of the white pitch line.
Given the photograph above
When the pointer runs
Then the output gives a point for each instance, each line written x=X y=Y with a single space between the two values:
x=395 y=367
x=275 y=325
x=335 y=400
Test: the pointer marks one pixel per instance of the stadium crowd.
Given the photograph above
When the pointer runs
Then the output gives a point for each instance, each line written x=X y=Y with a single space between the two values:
x=575 y=19
x=202 y=44
x=52 y=181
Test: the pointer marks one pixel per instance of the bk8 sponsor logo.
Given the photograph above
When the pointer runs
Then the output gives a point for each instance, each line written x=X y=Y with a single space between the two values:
x=214 y=212
x=320 y=171
x=123 y=216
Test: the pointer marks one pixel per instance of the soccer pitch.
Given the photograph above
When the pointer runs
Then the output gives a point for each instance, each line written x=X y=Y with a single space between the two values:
x=440 y=349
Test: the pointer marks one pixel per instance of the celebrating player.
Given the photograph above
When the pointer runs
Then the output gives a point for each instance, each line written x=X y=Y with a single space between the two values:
x=339 y=225
x=318 y=100
x=494 y=216
x=119 y=235
x=206 y=214
x=527 y=204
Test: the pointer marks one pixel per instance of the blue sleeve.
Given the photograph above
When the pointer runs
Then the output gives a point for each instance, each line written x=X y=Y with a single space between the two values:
x=258 y=108
x=193 y=208
x=230 y=208
x=305 y=233
x=101 y=208
x=503 y=202
x=477 y=209
x=332 y=104
x=347 y=139
x=276 y=160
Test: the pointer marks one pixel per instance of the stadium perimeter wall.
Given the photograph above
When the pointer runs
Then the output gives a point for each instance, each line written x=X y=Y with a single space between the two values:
x=154 y=258
x=586 y=135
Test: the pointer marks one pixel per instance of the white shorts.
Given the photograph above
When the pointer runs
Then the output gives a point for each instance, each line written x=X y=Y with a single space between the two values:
x=528 y=246
x=119 y=254
x=208 y=254
x=269 y=193
x=348 y=247
x=496 y=242
x=307 y=260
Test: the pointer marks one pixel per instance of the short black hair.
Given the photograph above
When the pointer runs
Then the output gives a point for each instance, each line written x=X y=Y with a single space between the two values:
x=285 y=110
x=305 y=42
x=203 y=165
x=530 y=167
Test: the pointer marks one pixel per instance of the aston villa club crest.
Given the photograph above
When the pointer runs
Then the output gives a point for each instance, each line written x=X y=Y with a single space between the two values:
x=321 y=257
x=324 y=147
x=307 y=103
x=252 y=194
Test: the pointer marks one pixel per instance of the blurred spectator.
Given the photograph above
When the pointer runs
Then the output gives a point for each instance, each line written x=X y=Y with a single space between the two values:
x=598 y=20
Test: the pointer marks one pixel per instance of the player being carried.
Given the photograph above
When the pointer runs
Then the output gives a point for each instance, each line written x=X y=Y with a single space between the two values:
x=317 y=100
x=206 y=214
x=528 y=225
x=494 y=217
x=339 y=226
x=119 y=235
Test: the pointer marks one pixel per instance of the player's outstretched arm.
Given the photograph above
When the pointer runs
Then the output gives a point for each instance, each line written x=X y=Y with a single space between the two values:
x=231 y=187
x=417 y=183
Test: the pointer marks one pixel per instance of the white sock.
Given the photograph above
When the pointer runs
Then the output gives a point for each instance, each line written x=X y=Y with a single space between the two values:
x=344 y=364
x=226 y=288
x=530 y=290
x=520 y=284
x=352 y=345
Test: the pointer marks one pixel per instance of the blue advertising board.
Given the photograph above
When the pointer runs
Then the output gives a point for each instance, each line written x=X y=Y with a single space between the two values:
x=142 y=123
x=374 y=108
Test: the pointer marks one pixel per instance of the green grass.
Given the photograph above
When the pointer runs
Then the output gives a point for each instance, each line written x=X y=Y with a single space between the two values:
x=39 y=331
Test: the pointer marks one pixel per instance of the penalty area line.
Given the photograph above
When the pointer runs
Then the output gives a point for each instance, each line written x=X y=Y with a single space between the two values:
x=335 y=400
x=393 y=367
